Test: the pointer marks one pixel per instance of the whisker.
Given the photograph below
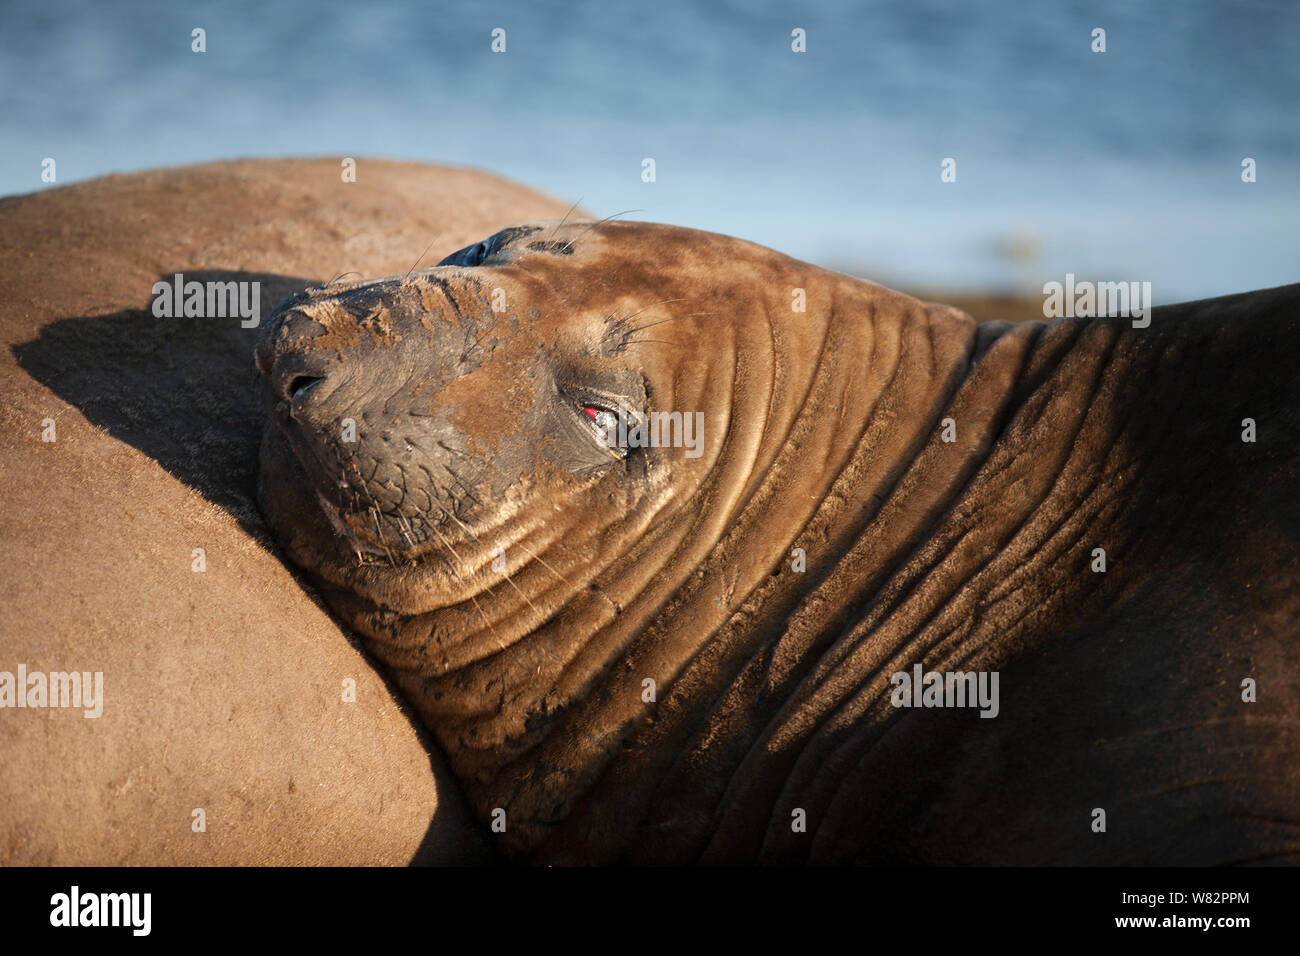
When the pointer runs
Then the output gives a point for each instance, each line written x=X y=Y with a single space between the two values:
x=569 y=244
x=522 y=594
x=383 y=543
x=422 y=255
x=464 y=567
x=463 y=525
x=501 y=645
x=566 y=216
x=542 y=561
x=523 y=547
x=674 y=318
x=628 y=318
x=407 y=533
x=509 y=581
x=680 y=345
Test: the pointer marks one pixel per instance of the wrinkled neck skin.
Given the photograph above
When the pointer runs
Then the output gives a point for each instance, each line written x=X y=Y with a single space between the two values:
x=769 y=684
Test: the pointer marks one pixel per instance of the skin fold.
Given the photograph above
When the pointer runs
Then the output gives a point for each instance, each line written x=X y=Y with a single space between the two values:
x=523 y=584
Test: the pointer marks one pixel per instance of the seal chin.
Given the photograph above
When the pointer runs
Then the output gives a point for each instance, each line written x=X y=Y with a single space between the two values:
x=398 y=541
x=367 y=553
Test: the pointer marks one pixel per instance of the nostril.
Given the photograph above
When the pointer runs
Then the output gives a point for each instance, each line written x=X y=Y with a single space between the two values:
x=300 y=385
x=296 y=374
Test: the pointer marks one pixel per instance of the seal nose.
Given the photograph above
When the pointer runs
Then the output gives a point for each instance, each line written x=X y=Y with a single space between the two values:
x=295 y=376
x=288 y=329
x=294 y=368
x=299 y=385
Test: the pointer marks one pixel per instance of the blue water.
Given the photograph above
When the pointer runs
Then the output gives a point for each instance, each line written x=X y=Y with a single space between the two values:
x=1120 y=165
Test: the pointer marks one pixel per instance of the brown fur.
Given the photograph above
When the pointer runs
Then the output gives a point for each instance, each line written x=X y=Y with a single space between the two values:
x=822 y=433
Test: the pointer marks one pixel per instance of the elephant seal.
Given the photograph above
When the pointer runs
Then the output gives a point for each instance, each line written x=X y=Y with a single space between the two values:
x=652 y=653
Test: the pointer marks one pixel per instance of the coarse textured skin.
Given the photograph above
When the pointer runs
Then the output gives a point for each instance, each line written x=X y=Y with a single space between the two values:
x=823 y=431
x=223 y=688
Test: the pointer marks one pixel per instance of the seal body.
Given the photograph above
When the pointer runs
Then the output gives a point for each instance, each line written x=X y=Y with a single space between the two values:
x=696 y=649
x=238 y=724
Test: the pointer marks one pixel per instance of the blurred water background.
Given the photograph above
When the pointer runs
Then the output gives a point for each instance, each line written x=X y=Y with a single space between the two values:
x=1122 y=165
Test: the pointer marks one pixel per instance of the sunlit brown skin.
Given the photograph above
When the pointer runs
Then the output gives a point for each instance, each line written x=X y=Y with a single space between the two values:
x=823 y=432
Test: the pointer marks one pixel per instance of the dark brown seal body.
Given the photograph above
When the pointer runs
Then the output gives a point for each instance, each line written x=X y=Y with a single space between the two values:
x=654 y=657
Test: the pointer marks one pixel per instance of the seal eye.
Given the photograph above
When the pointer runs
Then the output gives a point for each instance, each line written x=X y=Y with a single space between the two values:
x=605 y=424
x=475 y=255
x=603 y=418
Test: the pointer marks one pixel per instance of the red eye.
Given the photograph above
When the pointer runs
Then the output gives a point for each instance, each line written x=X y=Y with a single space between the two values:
x=592 y=412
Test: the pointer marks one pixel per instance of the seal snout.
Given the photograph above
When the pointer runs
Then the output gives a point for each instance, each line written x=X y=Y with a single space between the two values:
x=293 y=385
x=295 y=376
x=301 y=385
x=292 y=360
